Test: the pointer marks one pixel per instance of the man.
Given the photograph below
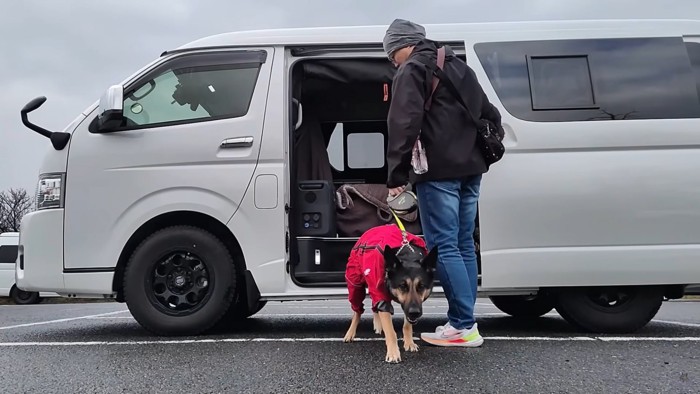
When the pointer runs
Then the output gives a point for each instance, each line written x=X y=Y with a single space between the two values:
x=449 y=191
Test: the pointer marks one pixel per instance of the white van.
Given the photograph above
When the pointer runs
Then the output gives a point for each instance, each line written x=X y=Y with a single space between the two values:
x=203 y=186
x=9 y=242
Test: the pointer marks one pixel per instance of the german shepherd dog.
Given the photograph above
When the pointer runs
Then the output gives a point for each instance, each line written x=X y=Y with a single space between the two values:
x=392 y=268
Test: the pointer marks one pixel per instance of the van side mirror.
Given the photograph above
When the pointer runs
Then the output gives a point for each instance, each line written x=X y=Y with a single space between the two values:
x=59 y=139
x=111 y=109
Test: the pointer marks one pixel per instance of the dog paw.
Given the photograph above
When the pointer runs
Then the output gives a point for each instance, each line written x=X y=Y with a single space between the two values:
x=377 y=324
x=377 y=327
x=410 y=346
x=349 y=337
x=393 y=356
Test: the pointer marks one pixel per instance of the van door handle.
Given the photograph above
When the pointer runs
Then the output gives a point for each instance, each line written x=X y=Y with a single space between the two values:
x=239 y=142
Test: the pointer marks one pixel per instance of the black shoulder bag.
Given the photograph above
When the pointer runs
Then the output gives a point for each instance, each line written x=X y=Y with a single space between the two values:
x=488 y=136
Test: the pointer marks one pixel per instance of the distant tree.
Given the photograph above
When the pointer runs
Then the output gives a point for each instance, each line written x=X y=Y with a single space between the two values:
x=14 y=204
x=2 y=216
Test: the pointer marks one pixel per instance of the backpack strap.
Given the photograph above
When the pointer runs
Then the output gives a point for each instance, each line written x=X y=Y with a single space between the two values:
x=438 y=72
x=441 y=63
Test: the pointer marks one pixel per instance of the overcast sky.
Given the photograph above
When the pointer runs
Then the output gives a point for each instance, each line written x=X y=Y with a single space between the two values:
x=70 y=51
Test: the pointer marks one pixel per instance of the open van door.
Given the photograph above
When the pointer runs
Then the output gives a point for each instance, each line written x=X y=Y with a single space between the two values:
x=182 y=136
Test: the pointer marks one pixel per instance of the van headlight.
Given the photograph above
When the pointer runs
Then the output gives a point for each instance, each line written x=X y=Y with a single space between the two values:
x=49 y=191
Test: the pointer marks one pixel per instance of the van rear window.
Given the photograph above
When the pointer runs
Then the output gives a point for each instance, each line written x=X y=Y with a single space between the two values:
x=592 y=79
x=357 y=150
x=8 y=254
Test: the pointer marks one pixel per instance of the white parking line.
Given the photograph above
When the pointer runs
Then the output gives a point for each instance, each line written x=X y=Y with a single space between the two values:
x=317 y=339
x=60 y=320
x=650 y=339
x=110 y=315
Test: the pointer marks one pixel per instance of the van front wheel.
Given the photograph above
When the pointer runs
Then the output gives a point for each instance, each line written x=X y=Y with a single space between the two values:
x=622 y=309
x=180 y=281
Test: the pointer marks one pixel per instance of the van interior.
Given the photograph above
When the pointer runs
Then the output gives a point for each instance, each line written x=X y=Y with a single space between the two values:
x=338 y=145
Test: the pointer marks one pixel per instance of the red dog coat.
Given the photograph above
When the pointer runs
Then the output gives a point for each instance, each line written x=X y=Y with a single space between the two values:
x=365 y=266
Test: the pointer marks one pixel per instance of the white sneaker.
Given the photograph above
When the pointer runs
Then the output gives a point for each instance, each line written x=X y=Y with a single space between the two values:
x=450 y=336
x=443 y=327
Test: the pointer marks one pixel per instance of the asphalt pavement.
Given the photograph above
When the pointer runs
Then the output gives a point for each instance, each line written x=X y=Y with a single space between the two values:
x=297 y=347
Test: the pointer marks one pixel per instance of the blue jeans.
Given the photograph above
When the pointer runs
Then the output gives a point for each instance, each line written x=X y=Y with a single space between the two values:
x=448 y=213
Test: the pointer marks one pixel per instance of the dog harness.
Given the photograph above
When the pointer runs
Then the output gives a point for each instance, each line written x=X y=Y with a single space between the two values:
x=365 y=268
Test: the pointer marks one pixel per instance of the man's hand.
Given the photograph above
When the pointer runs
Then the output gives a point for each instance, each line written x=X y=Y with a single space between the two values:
x=393 y=192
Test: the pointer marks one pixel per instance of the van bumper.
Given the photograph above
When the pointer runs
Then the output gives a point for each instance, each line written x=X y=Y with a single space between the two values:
x=40 y=258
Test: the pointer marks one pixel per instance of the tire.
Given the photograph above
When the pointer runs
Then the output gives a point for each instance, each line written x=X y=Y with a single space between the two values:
x=181 y=280
x=524 y=306
x=21 y=297
x=623 y=309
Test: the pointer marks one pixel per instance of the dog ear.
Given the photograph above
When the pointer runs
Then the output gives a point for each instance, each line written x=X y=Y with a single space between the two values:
x=429 y=262
x=391 y=262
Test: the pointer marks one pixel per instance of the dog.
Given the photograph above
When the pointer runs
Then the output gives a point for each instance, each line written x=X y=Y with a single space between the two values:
x=392 y=270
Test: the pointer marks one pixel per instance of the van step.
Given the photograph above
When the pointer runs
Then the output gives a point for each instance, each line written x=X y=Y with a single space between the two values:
x=322 y=261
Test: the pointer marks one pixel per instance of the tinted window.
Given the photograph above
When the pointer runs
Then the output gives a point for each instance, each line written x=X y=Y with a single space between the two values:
x=694 y=54
x=8 y=254
x=187 y=92
x=596 y=79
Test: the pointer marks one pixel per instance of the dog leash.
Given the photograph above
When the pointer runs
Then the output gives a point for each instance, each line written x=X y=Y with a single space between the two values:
x=404 y=237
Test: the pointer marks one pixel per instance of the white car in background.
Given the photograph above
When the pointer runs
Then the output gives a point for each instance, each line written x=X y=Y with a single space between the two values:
x=8 y=255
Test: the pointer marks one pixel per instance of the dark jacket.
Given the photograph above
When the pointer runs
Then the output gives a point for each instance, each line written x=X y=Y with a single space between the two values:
x=446 y=132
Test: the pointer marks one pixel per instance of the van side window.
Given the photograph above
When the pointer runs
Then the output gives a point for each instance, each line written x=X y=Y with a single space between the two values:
x=191 y=91
x=694 y=55
x=560 y=82
x=8 y=254
x=592 y=79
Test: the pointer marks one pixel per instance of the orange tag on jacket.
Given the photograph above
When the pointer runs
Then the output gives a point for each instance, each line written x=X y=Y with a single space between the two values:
x=386 y=92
